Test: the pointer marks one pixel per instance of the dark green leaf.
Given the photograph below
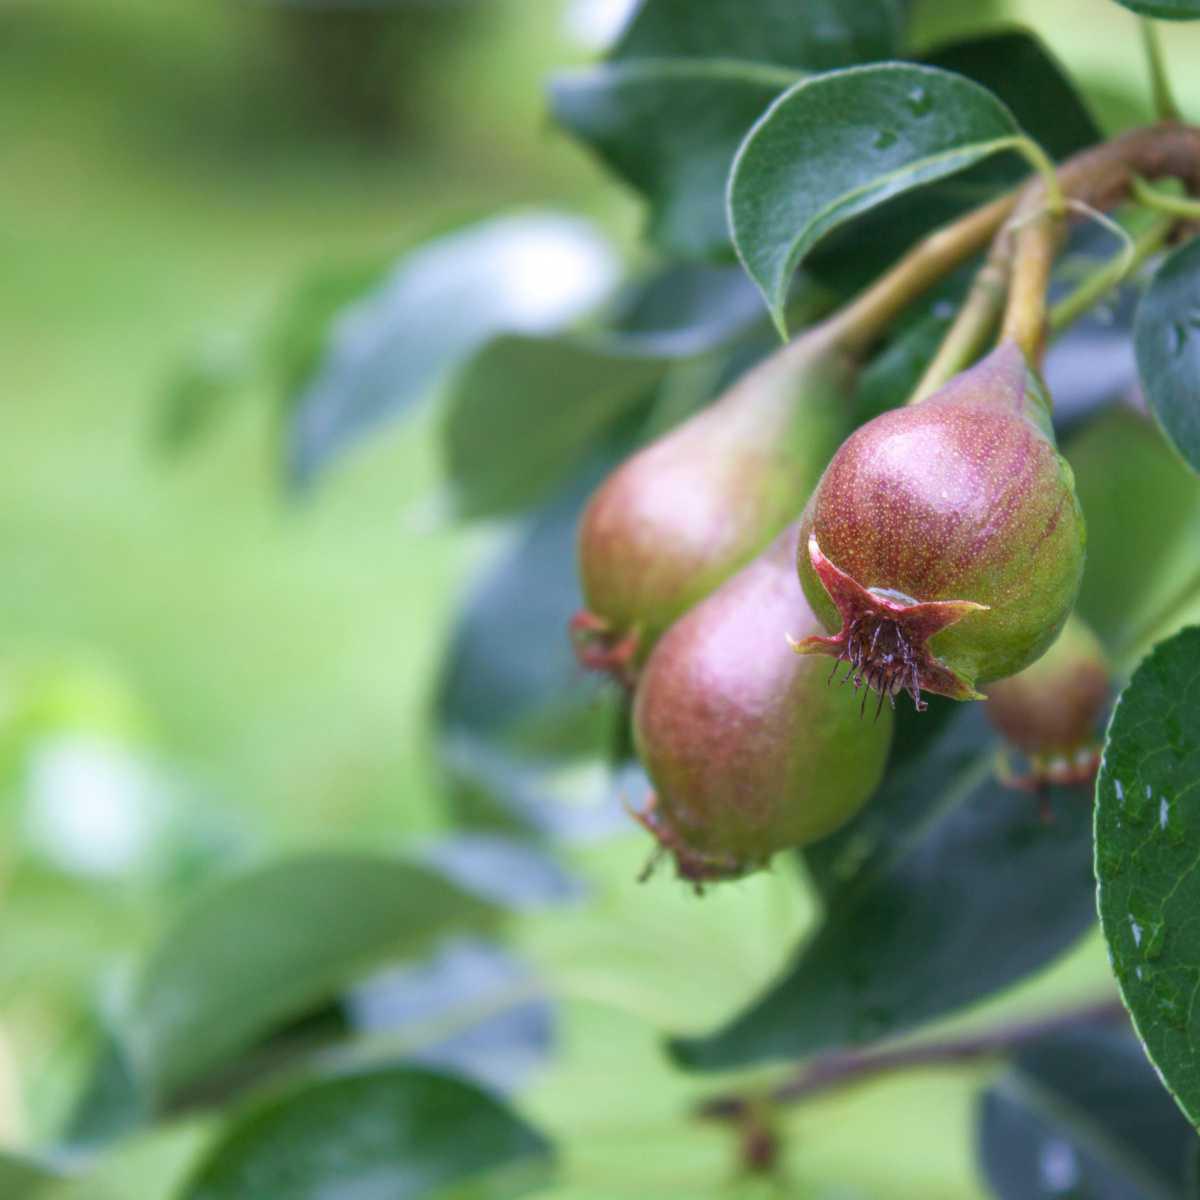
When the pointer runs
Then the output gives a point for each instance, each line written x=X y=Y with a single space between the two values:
x=531 y=273
x=1166 y=10
x=817 y=35
x=21 y=1179
x=394 y=1134
x=1142 y=506
x=1083 y=1114
x=670 y=127
x=1020 y=71
x=945 y=889
x=1167 y=339
x=1147 y=831
x=524 y=410
x=268 y=946
x=837 y=145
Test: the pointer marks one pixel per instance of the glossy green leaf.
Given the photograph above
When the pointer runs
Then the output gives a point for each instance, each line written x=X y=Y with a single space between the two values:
x=383 y=354
x=1082 y=1113
x=524 y=410
x=946 y=888
x=818 y=35
x=670 y=127
x=391 y=1134
x=1167 y=339
x=1142 y=506
x=268 y=946
x=1166 y=10
x=1147 y=831
x=837 y=145
x=22 y=1179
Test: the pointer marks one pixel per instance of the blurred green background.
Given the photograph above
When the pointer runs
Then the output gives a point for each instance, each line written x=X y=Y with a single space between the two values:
x=252 y=670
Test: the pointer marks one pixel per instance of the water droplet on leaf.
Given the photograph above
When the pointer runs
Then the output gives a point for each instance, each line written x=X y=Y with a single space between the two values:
x=884 y=139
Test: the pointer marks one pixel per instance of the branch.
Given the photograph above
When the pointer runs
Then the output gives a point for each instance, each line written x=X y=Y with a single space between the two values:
x=843 y=1068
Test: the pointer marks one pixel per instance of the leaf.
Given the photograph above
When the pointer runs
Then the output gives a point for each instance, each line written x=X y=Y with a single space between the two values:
x=22 y=1179
x=1147 y=830
x=524 y=410
x=389 y=1134
x=670 y=128
x=819 y=35
x=269 y=945
x=514 y=708
x=1166 y=10
x=1142 y=507
x=1083 y=1114
x=946 y=888
x=1167 y=341
x=1019 y=70
x=473 y=1009
x=837 y=145
x=531 y=273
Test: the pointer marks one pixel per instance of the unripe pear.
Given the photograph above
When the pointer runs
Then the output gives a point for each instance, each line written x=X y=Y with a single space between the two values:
x=678 y=518
x=943 y=547
x=1050 y=711
x=749 y=748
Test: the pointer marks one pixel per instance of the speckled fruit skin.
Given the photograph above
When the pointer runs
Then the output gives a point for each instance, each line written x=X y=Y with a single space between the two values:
x=960 y=497
x=1054 y=706
x=683 y=514
x=749 y=748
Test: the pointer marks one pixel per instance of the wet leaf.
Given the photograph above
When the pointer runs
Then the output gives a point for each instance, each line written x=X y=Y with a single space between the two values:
x=835 y=146
x=1147 y=832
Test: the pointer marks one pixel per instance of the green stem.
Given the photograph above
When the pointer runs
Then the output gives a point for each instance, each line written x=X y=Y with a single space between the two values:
x=1160 y=85
x=1164 y=202
x=1071 y=307
x=862 y=321
x=976 y=319
x=1095 y=179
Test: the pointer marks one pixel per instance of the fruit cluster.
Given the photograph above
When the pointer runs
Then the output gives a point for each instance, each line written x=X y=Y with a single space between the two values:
x=937 y=549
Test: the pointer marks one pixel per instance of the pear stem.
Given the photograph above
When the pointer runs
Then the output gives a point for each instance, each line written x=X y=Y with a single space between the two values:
x=976 y=319
x=857 y=325
x=1098 y=178
x=1164 y=202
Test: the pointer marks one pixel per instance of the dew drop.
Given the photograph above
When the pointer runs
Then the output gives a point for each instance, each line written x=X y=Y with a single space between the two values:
x=1177 y=337
x=884 y=138
x=1120 y=790
x=1136 y=930
x=918 y=102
